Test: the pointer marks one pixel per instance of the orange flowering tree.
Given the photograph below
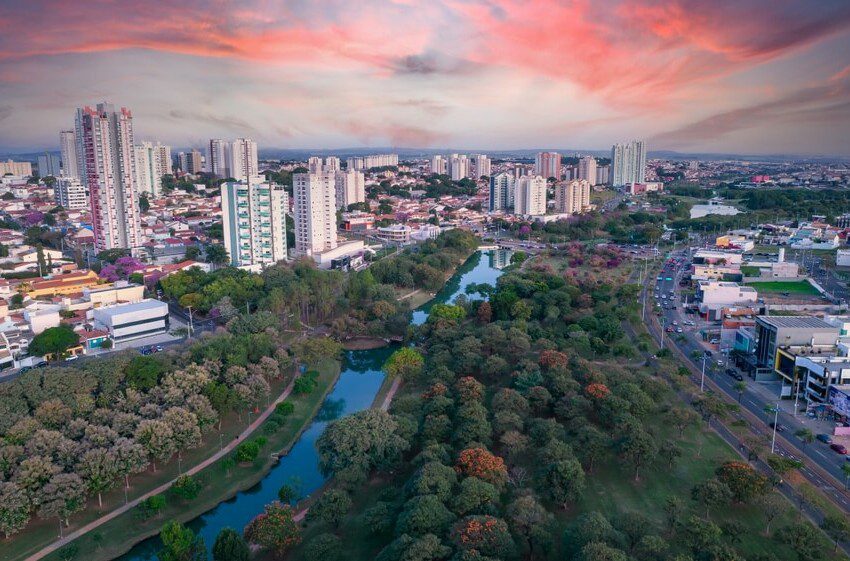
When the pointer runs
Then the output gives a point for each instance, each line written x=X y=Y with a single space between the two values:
x=597 y=391
x=553 y=359
x=469 y=389
x=484 y=535
x=275 y=529
x=743 y=480
x=435 y=390
x=478 y=462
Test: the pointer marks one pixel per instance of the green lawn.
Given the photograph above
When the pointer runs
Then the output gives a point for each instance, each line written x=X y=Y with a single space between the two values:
x=792 y=287
x=120 y=534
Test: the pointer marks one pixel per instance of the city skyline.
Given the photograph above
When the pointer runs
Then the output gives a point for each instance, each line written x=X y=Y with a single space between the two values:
x=754 y=77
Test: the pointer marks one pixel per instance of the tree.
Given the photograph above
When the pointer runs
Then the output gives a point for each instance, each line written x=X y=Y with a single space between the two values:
x=526 y=515
x=185 y=487
x=275 y=529
x=406 y=363
x=478 y=462
x=487 y=535
x=711 y=493
x=565 y=481
x=410 y=548
x=14 y=508
x=324 y=547
x=185 y=432
x=771 y=506
x=156 y=438
x=53 y=342
x=331 y=507
x=64 y=495
x=230 y=546
x=433 y=478
x=424 y=514
x=475 y=496
x=837 y=528
x=803 y=539
x=743 y=480
x=740 y=387
x=99 y=470
x=217 y=255
x=682 y=418
x=601 y=552
x=674 y=510
x=181 y=544
x=637 y=447
x=151 y=507
x=805 y=435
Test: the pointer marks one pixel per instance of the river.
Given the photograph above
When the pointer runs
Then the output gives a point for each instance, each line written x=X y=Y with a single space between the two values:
x=355 y=390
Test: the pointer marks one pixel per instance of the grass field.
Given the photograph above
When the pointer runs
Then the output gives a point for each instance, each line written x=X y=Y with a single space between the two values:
x=120 y=534
x=792 y=287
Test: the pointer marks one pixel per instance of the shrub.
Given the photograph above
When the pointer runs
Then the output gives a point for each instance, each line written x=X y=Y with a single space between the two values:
x=247 y=452
x=150 y=507
x=284 y=408
x=306 y=383
x=185 y=488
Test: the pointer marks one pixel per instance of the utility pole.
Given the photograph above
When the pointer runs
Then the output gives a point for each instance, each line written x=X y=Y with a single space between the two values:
x=702 y=378
x=775 y=424
x=190 y=321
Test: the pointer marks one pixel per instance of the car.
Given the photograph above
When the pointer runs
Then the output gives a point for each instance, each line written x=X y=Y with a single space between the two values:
x=839 y=448
x=779 y=427
x=734 y=373
x=24 y=369
x=71 y=357
x=668 y=278
x=825 y=438
x=159 y=348
x=679 y=330
x=39 y=364
x=708 y=353
x=715 y=341
x=145 y=351
x=675 y=322
x=669 y=329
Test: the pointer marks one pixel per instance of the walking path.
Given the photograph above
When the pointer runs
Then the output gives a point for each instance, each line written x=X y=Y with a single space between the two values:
x=164 y=487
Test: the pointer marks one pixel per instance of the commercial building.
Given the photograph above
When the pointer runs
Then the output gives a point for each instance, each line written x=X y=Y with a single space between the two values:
x=548 y=164
x=482 y=166
x=714 y=295
x=572 y=197
x=70 y=194
x=68 y=154
x=152 y=162
x=587 y=170
x=314 y=211
x=458 y=166
x=530 y=196
x=364 y=163
x=439 y=164
x=134 y=320
x=56 y=285
x=782 y=338
x=350 y=188
x=502 y=192
x=395 y=233
x=105 y=140
x=254 y=222
x=818 y=372
x=628 y=162
x=48 y=164
x=22 y=169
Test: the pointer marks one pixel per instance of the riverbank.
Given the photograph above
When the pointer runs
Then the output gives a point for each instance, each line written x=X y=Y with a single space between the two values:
x=120 y=535
x=364 y=343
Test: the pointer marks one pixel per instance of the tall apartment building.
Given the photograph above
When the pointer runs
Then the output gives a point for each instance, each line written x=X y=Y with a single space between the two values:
x=254 y=221
x=68 y=154
x=152 y=162
x=314 y=164
x=314 y=210
x=363 y=163
x=438 y=164
x=70 y=193
x=190 y=162
x=530 y=198
x=331 y=164
x=548 y=164
x=458 y=166
x=242 y=160
x=24 y=169
x=603 y=174
x=48 y=164
x=628 y=163
x=350 y=188
x=587 y=169
x=572 y=197
x=217 y=157
x=105 y=140
x=482 y=166
x=502 y=192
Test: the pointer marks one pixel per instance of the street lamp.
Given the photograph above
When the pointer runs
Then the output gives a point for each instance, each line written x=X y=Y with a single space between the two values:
x=775 y=424
x=702 y=377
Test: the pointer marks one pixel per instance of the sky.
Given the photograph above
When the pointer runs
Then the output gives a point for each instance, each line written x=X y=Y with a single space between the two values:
x=723 y=76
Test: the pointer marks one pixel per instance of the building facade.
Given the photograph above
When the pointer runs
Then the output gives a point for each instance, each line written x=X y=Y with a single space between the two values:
x=48 y=164
x=482 y=166
x=438 y=164
x=152 y=162
x=350 y=188
x=502 y=192
x=572 y=197
x=190 y=162
x=587 y=169
x=68 y=154
x=628 y=162
x=243 y=162
x=254 y=222
x=23 y=169
x=314 y=210
x=530 y=198
x=365 y=163
x=548 y=164
x=217 y=157
x=70 y=193
x=458 y=166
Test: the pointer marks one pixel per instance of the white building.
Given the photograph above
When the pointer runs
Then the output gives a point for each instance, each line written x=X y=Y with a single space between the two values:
x=152 y=162
x=395 y=233
x=364 y=163
x=331 y=164
x=502 y=192
x=242 y=160
x=629 y=163
x=842 y=258
x=254 y=220
x=572 y=197
x=439 y=164
x=350 y=188
x=714 y=295
x=548 y=164
x=131 y=321
x=587 y=169
x=20 y=169
x=530 y=199
x=69 y=193
x=314 y=210
x=48 y=164
x=482 y=166
x=68 y=154
x=217 y=157
x=458 y=166
x=190 y=162
x=105 y=140
x=314 y=164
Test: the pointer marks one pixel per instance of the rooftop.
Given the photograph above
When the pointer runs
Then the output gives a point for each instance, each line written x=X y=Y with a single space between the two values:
x=796 y=322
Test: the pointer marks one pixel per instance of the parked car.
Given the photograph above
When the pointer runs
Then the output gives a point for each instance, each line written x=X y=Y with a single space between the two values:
x=839 y=448
x=71 y=357
x=39 y=364
x=825 y=438
x=734 y=373
x=779 y=427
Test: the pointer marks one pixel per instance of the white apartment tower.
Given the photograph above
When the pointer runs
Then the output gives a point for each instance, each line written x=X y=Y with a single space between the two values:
x=530 y=199
x=350 y=188
x=70 y=193
x=572 y=197
x=628 y=163
x=105 y=141
x=217 y=157
x=361 y=163
x=587 y=169
x=152 y=162
x=314 y=164
x=315 y=212
x=438 y=164
x=68 y=154
x=548 y=164
x=458 y=166
x=482 y=166
x=254 y=219
x=190 y=162
x=48 y=164
x=502 y=191
x=242 y=161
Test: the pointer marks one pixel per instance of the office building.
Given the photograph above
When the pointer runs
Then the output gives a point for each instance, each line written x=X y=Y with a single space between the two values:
x=190 y=162
x=242 y=160
x=105 y=139
x=48 y=164
x=23 y=169
x=458 y=166
x=152 y=162
x=502 y=191
x=217 y=157
x=572 y=197
x=482 y=166
x=254 y=222
x=548 y=164
x=314 y=210
x=365 y=163
x=68 y=154
x=439 y=164
x=133 y=320
x=530 y=198
x=587 y=169
x=70 y=193
x=628 y=162
x=350 y=188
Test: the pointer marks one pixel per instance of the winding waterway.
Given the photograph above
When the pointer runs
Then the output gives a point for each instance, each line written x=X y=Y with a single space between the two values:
x=355 y=390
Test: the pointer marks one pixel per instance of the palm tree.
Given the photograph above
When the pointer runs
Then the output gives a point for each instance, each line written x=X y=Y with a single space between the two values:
x=740 y=387
x=806 y=435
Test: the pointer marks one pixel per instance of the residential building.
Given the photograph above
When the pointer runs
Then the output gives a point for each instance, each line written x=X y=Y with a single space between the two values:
x=57 y=285
x=22 y=169
x=482 y=166
x=105 y=140
x=242 y=160
x=350 y=188
x=628 y=162
x=439 y=164
x=842 y=258
x=572 y=197
x=458 y=166
x=254 y=222
x=587 y=170
x=548 y=164
x=217 y=157
x=70 y=193
x=530 y=198
x=502 y=192
x=190 y=162
x=314 y=164
x=365 y=163
x=314 y=210
x=68 y=154
x=603 y=174
x=131 y=321
x=331 y=164
x=48 y=164
x=152 y=162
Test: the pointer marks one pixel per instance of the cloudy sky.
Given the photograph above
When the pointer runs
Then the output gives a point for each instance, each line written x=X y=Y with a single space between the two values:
x=753 y=76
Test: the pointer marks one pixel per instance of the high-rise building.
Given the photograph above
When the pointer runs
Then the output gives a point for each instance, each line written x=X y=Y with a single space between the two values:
x=603 y=174
x=69 y=193
x=217 y=157
x=530 y=199
x=458 y=166
x=105 y=140
x=48 y=164
x=314 y=164
x=314 y=210
x=331 y=164
x=548 y=164
x=364 y=163
x=628 y=163
x=572 y=197
x=350 y=188
x=243 y=163
x=502 y=191
x=23 y=169
x=68 y=154
x=587 y=169
x=152 y=162
x=482 y=166
x=190 y=162
x=254 y=222
x=438 y=164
